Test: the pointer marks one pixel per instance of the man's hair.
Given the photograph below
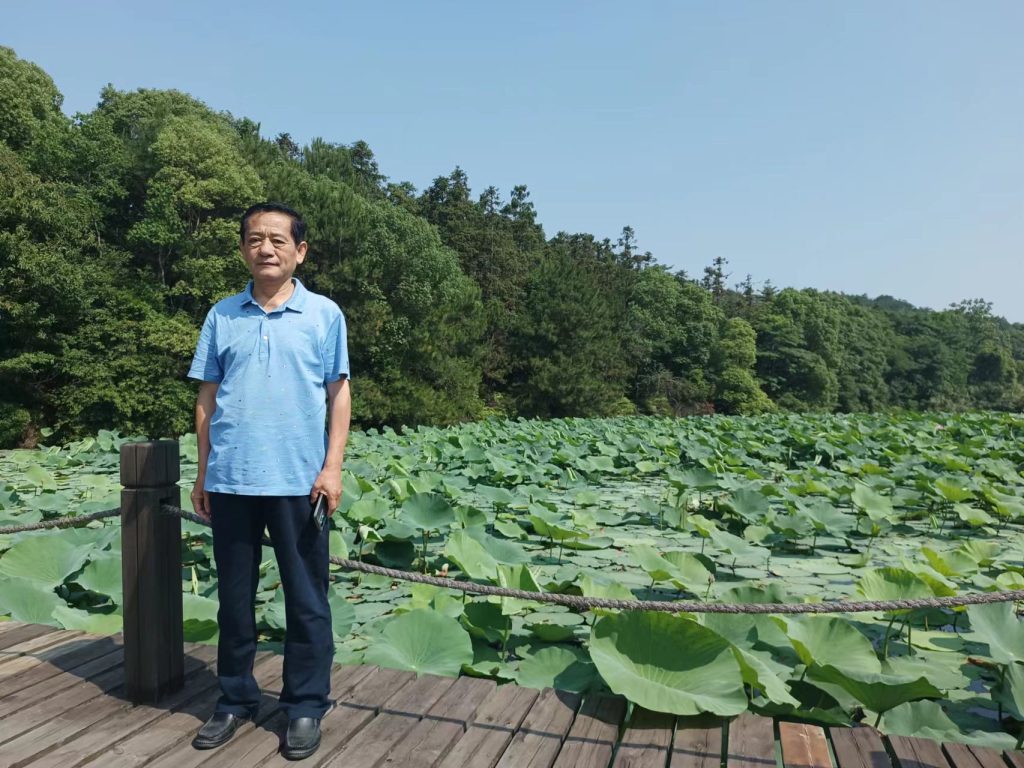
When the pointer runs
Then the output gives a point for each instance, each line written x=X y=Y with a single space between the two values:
x=298 y=225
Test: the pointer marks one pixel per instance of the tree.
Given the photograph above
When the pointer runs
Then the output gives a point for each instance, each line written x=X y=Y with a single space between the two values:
x=567 y=346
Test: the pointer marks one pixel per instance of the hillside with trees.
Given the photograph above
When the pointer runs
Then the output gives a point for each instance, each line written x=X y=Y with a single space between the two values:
x=119 y=229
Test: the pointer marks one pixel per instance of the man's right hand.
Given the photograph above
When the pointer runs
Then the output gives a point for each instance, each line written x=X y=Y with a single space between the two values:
x=201 y=501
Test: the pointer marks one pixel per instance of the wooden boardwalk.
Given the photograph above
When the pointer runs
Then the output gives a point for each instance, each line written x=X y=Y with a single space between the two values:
x=61 y=705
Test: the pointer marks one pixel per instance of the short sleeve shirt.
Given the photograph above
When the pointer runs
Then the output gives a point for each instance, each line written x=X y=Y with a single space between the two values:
x=268 y=431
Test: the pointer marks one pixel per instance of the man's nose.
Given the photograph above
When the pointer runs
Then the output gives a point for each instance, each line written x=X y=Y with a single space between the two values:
x=266 y=247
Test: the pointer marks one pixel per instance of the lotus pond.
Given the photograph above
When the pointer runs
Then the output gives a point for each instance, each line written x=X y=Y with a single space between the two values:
x=766 y=509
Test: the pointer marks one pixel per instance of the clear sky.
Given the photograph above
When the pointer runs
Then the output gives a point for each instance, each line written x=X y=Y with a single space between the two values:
x=867 y=147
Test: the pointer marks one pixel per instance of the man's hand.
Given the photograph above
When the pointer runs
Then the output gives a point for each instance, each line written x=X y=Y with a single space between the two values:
x=201 y=501
x=328 y=483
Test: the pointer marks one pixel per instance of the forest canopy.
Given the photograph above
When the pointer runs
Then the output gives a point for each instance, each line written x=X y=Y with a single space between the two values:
x=118 y=231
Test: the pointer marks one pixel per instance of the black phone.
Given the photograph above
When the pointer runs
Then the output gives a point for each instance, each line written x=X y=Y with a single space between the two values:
x=320 y=511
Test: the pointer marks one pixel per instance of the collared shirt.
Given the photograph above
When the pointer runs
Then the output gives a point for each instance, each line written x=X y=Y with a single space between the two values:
x=267 y=432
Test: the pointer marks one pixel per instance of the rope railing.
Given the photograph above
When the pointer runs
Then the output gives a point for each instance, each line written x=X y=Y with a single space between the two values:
x=581 y=602
x=675 y=606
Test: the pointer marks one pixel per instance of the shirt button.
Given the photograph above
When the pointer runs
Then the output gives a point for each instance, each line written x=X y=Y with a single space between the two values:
x=266 y=338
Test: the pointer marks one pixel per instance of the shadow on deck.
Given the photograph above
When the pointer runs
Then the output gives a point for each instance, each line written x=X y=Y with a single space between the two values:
x=62 y=705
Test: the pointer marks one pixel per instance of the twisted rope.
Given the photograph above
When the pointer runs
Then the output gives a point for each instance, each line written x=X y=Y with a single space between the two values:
x=71 y=521
x=587 y=603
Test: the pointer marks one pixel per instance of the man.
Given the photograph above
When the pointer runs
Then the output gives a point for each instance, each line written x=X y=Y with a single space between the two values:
x=272 y=362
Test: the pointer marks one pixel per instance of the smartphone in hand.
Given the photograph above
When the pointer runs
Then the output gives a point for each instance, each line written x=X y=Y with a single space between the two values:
x=320 y=511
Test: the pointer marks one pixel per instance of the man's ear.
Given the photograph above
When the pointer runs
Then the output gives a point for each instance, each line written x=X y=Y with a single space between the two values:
x=301 y=252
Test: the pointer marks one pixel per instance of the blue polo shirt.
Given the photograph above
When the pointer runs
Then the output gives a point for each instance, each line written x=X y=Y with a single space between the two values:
x=267 y=432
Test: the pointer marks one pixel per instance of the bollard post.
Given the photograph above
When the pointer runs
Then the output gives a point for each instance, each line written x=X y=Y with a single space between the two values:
x=154 y=646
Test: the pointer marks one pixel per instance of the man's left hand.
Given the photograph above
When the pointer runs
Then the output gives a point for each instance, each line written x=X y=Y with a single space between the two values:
x=329 y=484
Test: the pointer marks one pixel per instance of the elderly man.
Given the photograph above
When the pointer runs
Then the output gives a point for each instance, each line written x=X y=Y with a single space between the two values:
x=273 y=363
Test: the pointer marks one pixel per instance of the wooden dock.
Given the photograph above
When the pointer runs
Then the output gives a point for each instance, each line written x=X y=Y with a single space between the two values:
x=62 y=705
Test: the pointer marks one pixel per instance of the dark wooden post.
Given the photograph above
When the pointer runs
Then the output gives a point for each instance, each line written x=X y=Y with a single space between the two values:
x=154 y=647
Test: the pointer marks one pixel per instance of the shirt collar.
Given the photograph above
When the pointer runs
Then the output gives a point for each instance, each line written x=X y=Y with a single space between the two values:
x=296 y=302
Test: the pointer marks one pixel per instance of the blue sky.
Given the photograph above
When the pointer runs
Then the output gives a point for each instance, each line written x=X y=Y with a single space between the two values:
x=867 y=147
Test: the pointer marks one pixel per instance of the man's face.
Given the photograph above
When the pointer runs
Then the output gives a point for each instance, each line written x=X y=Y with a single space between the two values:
x=268 y=248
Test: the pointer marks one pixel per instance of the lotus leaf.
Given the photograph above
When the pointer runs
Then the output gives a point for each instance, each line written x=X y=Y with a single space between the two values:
x=424 y=642
x=640 y=655
x=556 y=667
x=997 y=625
x=926 y=720
x=46 y=559
x=827 y=640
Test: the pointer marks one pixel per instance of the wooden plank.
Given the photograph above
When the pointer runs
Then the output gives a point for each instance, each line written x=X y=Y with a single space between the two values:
x=26 y=709
x=804 y=746
x=41 y=713
x=860 y=747
x=168 y=740
x=751 y=742
x=917 y=753
x=646 y=742
x=697 y=743
x=266 y=739
x=592 y=738
x=66 y=658
x=6 y=625
x=23 y=633
x=119 y=719
x=35 y=646
x=539 y=738
x=399 y=714
x=1014 y=758
x=960 y=755
x=432 y=737
x=495 y=724
x=16 y=663
x=972 y=756
x=54 y=731
x=987 y=757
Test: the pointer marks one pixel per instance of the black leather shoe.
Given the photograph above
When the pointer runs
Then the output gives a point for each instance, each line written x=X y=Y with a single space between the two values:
x=302 y=738
x=217 y=730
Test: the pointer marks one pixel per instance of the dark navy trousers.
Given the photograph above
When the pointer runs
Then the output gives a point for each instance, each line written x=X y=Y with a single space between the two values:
x=301 y=551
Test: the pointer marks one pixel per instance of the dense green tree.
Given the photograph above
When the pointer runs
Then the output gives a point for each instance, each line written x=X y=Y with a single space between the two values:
x=568 y=352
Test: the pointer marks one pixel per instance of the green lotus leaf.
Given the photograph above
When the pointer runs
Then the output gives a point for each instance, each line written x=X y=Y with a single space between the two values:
x=695 y=477
x=1009 y=691
x=926 y=720
x=44 y=559
x=878 y=692
x=826 y=640
x=510 y=529
x=973 y=516
x=428 y=512
x=369 y=509
x=29 y=601
x=102 y=574
x=484 y=619
x=638 y=656
x=556 y=667
x=762 y=673
x=997 y=625
x=872 y=503
x=497 y=496
x=471 y=556
x=343 y=614
x=750 y=504
x=88 y=621
x=446 y=601
x=506 y=552
x=470 y=517
x=955 y=563
x=199 y=615
x=951 y=490
x=424 y=642
x=893 y=583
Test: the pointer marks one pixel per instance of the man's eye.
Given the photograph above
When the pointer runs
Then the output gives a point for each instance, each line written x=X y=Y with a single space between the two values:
x=278 y=242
